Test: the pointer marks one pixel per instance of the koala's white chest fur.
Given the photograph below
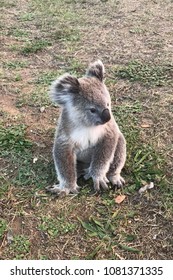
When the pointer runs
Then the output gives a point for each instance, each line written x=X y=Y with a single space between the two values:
x=83 y=137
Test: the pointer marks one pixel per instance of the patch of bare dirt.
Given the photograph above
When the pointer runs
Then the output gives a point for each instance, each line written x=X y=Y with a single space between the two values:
x=7 y=104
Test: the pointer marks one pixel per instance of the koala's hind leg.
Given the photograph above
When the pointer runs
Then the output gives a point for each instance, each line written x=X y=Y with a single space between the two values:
x=114 y=173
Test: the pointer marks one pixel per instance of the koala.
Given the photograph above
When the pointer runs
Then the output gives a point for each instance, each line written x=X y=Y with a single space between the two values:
x=88 y=141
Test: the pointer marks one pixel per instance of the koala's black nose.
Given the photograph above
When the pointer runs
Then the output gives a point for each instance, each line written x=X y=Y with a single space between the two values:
x=105 y=115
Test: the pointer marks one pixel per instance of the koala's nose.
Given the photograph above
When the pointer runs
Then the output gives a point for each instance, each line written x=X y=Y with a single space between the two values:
x=105 y=116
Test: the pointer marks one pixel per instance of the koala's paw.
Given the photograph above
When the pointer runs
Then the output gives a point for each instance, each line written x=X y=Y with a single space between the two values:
x=117 y=180
x=61 y=192
x=101 y=181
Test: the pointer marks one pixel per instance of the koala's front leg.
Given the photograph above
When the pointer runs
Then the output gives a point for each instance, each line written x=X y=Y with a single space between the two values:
x=65 y=165
x=114 y=174
x=101 y=159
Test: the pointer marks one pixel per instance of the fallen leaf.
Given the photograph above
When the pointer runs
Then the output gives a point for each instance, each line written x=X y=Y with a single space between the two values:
x=145 y=125
x=146 y=187
x=120 y=198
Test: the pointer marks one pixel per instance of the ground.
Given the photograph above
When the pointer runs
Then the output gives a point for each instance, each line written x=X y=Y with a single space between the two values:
x=40 y=41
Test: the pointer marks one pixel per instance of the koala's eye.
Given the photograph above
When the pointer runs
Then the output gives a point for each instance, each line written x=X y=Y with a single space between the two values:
x=93 y=110
x=108 y=104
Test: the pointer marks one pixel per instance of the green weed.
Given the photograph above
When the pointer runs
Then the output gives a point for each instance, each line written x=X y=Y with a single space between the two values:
x=97 y=228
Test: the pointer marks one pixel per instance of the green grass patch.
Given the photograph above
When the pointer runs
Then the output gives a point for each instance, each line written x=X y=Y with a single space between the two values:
x=24 y=172
x=66 y=34
x=7 y=4
x=55 y=226
x=35 y=46
x=14 y=138
x=14 y=47
x=95 y=228
x=148 y=74
x=20 y=247
x=105 y=228
x=46 y=78
x=18 y=33
x=15 y=64
x=3 y=186
x=143 y=164
x=27 y=16
x=38 y=175
x=39 y=97
x=75 y=67
x=17 y=152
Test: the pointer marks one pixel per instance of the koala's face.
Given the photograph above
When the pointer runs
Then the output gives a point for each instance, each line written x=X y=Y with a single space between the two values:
x=92 y=104
x=86 y=100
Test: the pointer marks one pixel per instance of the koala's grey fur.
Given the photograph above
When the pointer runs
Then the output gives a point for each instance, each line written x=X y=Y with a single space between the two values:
x=88 y=141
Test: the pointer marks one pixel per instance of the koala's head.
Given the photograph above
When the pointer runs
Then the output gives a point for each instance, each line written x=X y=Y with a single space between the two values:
x=86 y=99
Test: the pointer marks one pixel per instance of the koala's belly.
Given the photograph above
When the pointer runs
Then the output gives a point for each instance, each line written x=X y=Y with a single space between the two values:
x=84 y=155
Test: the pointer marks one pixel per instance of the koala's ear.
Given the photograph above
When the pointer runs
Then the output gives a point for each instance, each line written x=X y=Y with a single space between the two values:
x=63 y=89
x=96 y=69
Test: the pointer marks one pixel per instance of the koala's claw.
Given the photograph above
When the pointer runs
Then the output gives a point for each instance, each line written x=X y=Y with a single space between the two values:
x=61 y=192
x=117 y=181
x=101 y=182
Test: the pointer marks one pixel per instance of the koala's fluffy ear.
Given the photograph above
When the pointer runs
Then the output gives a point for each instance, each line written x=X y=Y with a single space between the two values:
x=63 y=88
x=96 y=69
